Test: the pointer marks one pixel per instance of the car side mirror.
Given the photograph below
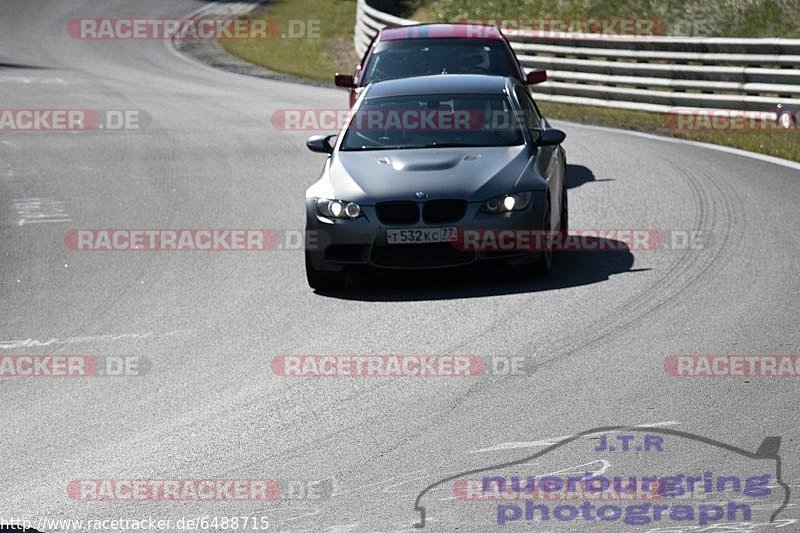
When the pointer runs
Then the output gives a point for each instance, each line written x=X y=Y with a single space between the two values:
x=320 y=143
x=344 y=80
x=536 y=76
x=550 y=137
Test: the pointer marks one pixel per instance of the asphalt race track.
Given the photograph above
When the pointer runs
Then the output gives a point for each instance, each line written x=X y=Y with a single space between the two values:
x=596 y=332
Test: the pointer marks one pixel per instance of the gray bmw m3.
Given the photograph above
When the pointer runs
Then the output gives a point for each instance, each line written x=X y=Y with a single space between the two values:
x=425 y=170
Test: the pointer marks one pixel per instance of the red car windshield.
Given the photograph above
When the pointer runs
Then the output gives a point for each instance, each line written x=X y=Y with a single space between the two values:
x=421 y=57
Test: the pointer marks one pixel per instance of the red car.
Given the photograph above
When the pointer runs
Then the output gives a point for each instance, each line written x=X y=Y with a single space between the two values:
x=429 y=49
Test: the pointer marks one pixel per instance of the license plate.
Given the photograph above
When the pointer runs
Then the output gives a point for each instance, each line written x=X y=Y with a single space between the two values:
x=420 y=235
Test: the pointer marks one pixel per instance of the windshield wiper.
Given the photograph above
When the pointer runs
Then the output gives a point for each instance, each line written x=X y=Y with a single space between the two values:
x=436 y=145
x=368 y=148
x=420 y=146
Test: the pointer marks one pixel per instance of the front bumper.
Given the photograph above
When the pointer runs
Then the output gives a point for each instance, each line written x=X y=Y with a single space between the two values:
x=339 y=245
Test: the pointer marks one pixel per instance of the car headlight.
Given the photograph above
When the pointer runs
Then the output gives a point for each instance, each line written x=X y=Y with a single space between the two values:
x=338 y=208
x=507 y=203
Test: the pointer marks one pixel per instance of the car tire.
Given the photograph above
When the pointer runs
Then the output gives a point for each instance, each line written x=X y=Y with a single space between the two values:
x=543 y=266
x=564 y=213
x=322 y=281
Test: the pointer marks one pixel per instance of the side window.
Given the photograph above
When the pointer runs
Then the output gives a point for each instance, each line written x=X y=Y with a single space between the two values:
x=533 y=120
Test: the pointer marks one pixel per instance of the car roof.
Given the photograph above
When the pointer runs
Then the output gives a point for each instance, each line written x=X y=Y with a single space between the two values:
x=440 y=84
x=440 y=31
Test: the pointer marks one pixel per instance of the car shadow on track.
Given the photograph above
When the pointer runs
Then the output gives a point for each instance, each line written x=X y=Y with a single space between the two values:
x=5 y=65
x=578 y=175
x=570 y=269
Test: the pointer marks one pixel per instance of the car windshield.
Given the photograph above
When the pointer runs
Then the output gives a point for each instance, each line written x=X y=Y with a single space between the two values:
x=421 y=57
x=433 y=121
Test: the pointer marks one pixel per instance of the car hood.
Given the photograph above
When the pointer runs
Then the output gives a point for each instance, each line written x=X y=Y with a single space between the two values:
x=473 y=174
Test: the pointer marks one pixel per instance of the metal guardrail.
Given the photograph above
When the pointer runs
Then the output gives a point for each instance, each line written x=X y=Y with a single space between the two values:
x=653 y=74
